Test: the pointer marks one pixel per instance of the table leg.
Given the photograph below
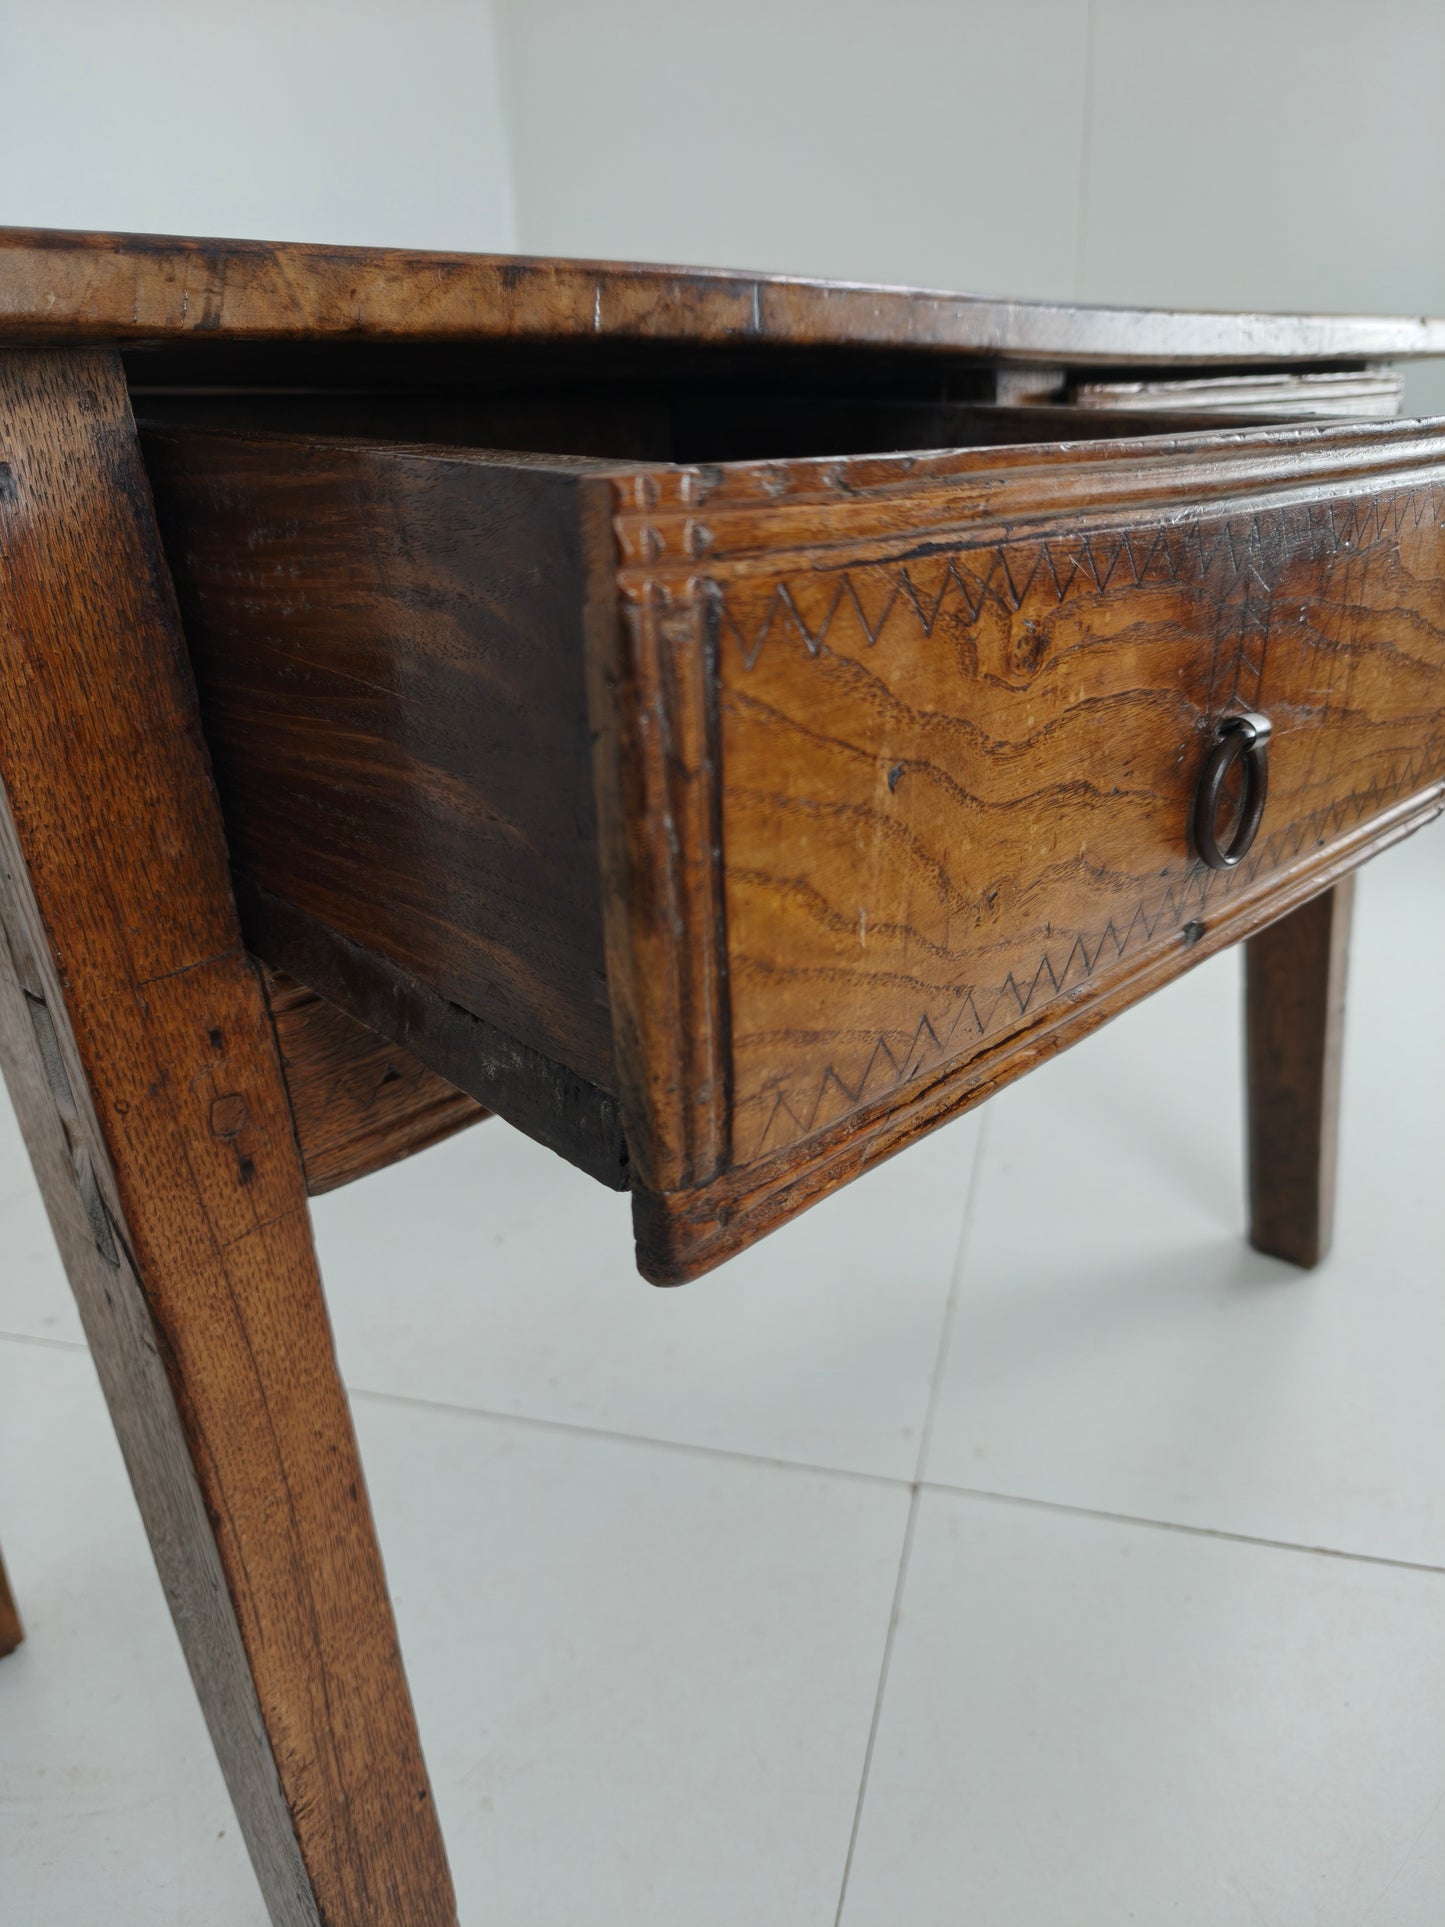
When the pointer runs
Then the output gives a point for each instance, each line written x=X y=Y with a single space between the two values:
x=144 y=1071
x=1294 y=1026
x=11 y=1631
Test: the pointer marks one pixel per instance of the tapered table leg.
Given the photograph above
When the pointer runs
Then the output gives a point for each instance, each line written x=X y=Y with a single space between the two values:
x=1294 y=1025
x=145 y=1075
x=11 y=1631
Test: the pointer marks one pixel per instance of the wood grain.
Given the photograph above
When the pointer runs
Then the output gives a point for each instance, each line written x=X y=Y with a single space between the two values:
x=963 y=704
x=547 y=1101
x=654 y=707
x=1294 y=1041
x=1365 y=394
x=359 y=1101
x=144 y=1071
x=680 y=1235
x=128 y=287
x=11 y=1631
x=388 y=648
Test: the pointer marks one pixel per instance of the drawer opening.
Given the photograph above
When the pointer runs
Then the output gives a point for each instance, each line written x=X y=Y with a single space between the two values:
x=729 y=405
x=701 y=429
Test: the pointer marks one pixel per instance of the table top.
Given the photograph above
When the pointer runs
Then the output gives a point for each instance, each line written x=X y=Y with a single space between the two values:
x=149 y=289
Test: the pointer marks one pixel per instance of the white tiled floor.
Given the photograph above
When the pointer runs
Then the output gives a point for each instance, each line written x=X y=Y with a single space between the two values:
x=1163 y=1521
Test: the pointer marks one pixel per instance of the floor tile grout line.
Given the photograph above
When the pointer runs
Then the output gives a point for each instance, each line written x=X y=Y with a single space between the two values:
x=491 y=1414
x=1150 y=1523
x=940 y=1359
x=894 y=1611
x=812 y=1467
x=575 y=1426
x=950 y=1309
x=48 y=1344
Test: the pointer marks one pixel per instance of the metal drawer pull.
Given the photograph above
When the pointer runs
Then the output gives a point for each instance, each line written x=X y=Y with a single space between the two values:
x=1246 y=736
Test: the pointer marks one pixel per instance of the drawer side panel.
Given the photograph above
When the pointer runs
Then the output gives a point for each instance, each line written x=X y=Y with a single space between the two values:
x=389 y=648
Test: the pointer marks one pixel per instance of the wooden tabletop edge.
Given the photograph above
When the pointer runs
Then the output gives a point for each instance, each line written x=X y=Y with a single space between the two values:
x=138 y=288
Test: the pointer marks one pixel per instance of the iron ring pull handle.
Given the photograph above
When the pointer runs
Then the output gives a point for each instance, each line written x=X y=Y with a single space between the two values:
x=1244 y=736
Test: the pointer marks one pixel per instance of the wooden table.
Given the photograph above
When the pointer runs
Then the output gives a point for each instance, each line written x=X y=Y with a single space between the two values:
x=440 y=684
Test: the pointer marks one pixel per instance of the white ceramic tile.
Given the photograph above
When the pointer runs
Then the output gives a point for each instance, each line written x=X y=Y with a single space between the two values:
x=112 y=1807
x=34 y=1296
x=644 y=1677
x=1117 y=1344
x=489 y=1273
x=1089 y=1723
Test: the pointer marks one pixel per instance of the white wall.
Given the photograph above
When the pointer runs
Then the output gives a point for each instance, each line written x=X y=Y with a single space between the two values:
x=933 y=141
x=366 y=121
x=1271 y=153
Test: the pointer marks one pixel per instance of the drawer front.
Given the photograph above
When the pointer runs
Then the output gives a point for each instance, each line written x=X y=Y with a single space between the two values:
x=957 y=714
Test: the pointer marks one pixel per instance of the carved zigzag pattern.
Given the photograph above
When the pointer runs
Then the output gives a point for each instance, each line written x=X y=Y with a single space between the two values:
x=1239 y=554
x=976 y=1014
x=1234 y=560
x=1425 y=767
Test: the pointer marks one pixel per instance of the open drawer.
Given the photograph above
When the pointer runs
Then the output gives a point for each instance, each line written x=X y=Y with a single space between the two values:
x=728 y=823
